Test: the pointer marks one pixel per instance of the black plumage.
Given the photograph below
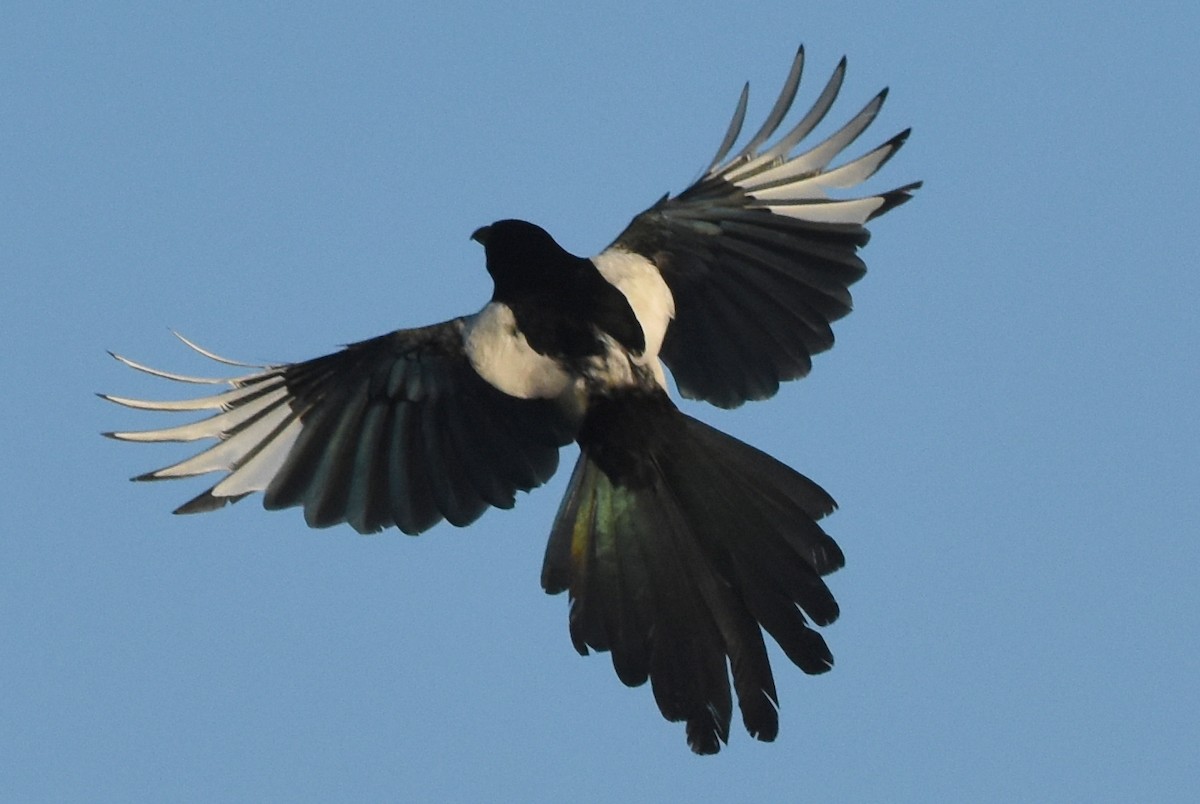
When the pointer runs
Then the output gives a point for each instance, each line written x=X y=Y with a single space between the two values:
x=679 y=545
x=676 y=541
x=560 y=301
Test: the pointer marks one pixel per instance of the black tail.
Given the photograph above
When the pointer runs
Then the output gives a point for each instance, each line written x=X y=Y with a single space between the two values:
x=677 y=542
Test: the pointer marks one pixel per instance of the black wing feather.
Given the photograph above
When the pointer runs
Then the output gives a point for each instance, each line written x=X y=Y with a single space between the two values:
x=395 y=430
x=754 y=219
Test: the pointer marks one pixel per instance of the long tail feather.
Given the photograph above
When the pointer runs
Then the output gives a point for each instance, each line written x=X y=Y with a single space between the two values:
x=679 y=546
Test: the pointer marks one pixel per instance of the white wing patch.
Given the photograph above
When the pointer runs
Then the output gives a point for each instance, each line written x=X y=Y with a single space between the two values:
x=855 y=210
x=795 y=185
x=647 y=293
x=500 y=354
x=255 y=428
x=645 y=290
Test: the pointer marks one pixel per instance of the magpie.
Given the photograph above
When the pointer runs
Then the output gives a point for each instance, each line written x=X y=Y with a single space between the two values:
x=679 y=545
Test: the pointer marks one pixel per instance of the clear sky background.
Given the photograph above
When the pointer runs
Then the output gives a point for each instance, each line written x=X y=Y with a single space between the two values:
x=1009 y=419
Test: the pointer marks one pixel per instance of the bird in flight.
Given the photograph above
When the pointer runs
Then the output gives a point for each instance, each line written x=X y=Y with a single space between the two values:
x=679 y=545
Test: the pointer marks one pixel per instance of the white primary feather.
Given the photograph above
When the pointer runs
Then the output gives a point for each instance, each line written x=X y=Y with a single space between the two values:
x=857 y=210
x=221 y=401
x=228 y=454
x=257 y=472
x=213 y=427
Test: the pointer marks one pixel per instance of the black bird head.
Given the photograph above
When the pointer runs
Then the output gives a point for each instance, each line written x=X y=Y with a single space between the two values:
x=522 y=256
x=543 y=282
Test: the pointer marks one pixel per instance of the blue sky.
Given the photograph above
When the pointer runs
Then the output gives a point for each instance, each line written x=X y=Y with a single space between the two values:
x=1008 y=421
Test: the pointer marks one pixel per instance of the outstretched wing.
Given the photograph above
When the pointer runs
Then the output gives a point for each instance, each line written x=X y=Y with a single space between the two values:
x=395 y=430
x=759 y=259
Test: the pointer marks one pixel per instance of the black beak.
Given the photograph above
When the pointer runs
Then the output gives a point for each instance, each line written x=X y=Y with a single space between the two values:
x=481 y=234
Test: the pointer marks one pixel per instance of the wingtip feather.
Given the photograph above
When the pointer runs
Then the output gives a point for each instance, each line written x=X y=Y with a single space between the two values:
x=895 y=198
x=212 y=355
